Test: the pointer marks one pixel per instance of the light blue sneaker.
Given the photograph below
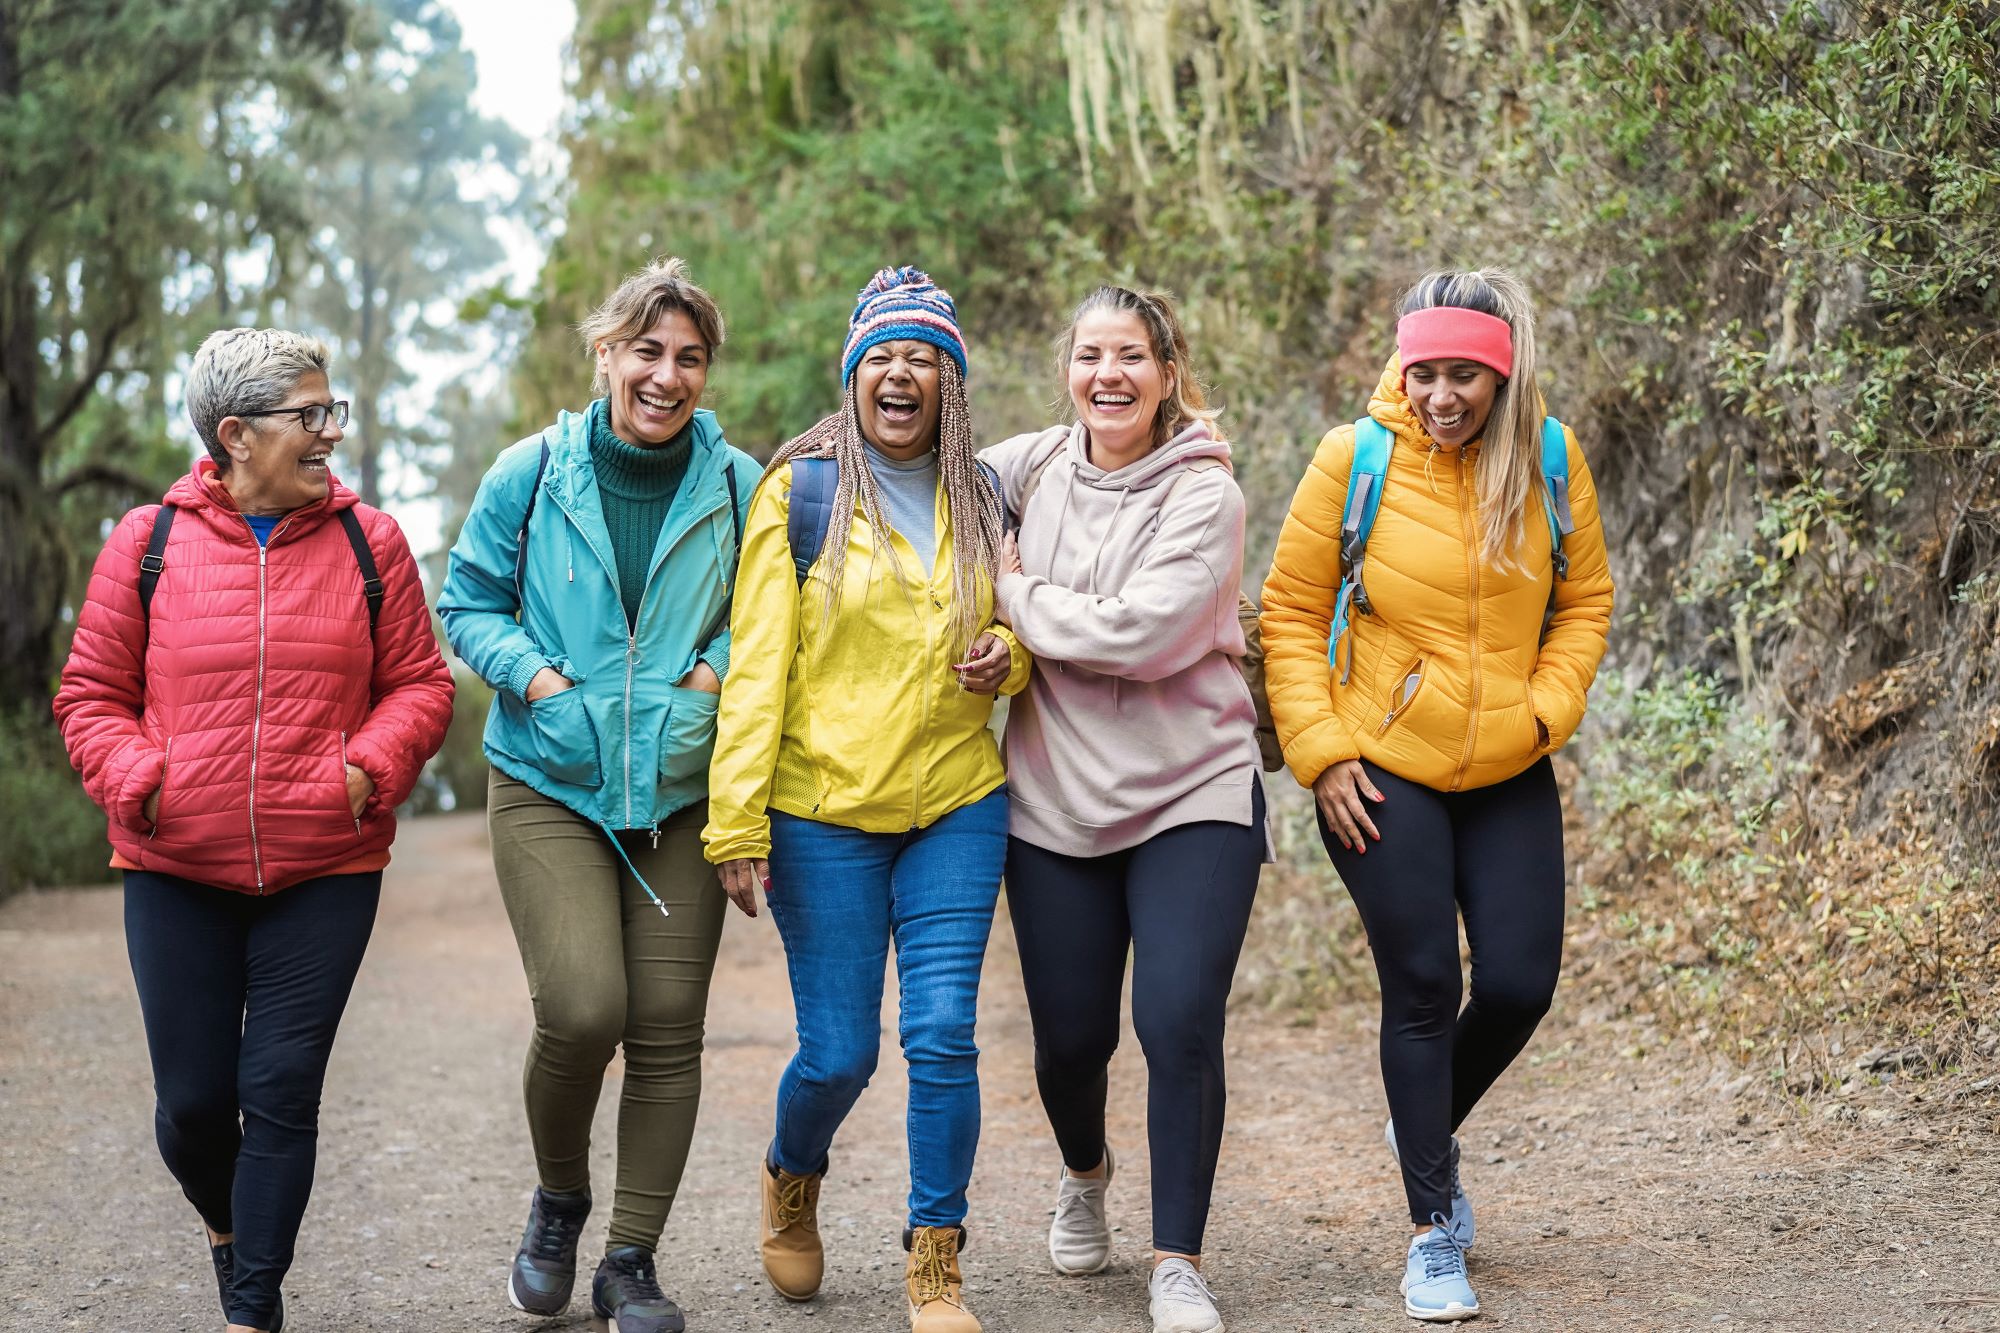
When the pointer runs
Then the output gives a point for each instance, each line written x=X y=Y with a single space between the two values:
x=1461 y=1207
x=1434 y=1282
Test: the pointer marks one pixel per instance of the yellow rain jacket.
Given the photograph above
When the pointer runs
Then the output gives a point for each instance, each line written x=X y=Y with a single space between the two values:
x=859 y=722
x=1453 y=669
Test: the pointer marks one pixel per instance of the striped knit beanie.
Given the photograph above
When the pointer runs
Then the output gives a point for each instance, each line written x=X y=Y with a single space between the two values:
x=902 y=303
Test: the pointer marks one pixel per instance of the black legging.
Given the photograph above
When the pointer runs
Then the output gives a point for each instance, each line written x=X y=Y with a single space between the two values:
x=1495 y=854
x=241 y=996
x=1180 y=903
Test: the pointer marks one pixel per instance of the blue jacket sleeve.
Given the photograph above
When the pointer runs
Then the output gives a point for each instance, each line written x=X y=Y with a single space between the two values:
x=716 y=651
x=479 y=605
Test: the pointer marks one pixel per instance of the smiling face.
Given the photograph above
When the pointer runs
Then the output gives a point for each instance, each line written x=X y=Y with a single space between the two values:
x=655 y=379
x=896 y=396
x=1452 y=398
x=275 y=464
x=1116 y=381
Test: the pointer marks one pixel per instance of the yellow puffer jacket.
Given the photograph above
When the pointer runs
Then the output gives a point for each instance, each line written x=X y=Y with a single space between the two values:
x=1470 y=634
x=860 y=722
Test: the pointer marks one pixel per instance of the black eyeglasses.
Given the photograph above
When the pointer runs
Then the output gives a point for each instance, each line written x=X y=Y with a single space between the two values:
x=312 y=416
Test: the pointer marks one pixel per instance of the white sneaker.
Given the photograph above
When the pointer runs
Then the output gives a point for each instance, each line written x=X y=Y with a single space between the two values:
x=1079 y=1237
x=1181 y=1301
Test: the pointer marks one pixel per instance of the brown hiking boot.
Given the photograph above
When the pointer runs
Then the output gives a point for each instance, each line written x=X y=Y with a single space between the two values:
x=789 y=1246
x=932 y=1281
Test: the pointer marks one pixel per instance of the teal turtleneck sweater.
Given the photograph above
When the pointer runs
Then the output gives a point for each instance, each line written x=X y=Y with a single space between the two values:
x=637 y=487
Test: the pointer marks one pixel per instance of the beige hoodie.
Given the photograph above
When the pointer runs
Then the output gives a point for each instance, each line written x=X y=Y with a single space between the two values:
x=1137 y=718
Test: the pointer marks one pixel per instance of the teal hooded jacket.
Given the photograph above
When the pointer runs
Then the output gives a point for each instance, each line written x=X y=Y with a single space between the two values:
x=627 y=747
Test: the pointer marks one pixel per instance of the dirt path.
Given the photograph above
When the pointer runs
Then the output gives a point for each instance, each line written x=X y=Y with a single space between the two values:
x=1613 y=1191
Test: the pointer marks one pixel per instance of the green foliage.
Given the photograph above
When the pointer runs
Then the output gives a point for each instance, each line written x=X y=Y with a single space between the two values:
x=55 y=835
x=126 y=135
x=399 y=232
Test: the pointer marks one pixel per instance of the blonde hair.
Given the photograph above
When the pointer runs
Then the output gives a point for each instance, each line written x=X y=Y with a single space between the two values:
x=973 y=508
x=1510 y=461
x=237 y=372
x=1155 y=310
x=641 y=301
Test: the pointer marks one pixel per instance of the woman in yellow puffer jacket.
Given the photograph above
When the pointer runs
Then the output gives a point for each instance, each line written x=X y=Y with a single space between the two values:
x=854 y=775
x=1425 y=731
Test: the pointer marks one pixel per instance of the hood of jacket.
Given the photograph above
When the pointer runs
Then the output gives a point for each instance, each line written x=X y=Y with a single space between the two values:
x=202 y=492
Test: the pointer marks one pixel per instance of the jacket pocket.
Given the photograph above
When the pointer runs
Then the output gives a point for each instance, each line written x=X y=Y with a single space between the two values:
x=160 y=804
x=687 y=740
x=1404 y=688
x=1536 y=745
x=565 y=741
x=352 y=813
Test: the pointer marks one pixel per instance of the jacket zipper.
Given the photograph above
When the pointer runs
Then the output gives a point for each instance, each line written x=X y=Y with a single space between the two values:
x=1472 y=583
x=1402 y=705
x=631 y=660
x=166 y=762
x=257 y=715
x=343 y=779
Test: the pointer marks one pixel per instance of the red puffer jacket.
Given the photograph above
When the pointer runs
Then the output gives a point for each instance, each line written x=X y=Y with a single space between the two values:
x=257 y=685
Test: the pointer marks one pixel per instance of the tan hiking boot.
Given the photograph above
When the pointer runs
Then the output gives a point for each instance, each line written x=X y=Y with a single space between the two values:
x=932 y=1281
x=793 y=1258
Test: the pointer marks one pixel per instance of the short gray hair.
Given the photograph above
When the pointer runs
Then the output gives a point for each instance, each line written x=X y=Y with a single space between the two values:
x=239 y=371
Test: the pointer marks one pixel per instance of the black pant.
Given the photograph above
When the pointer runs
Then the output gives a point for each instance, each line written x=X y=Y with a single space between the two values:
x=241 y=996
x=1496 y=854
x=1181 y=903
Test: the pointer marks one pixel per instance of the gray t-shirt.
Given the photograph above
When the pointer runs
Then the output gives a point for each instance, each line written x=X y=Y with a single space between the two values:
x=909 y=499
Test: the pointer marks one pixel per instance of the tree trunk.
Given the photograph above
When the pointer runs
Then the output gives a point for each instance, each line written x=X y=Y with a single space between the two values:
x=368 y=395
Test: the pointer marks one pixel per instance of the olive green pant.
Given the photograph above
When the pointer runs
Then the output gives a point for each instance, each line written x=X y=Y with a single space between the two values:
x=605 y=967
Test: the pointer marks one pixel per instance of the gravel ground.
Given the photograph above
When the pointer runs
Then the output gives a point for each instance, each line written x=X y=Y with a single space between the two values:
x=1653 y=1193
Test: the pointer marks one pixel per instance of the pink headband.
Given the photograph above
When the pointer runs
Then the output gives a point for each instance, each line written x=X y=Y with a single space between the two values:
x=1448 y=332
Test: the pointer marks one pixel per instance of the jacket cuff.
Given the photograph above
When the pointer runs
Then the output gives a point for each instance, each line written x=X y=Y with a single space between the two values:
x=717 y=657
x=752 y=844
x=141 y=780
x=1318 y=748
x=525 y=669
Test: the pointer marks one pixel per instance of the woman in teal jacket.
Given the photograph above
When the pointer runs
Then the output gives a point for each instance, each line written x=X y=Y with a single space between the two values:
x=590 y=588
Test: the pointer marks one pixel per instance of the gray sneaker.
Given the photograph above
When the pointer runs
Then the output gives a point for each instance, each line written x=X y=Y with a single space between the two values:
x=1079 y=1237
x=626 y=1294
x=544 y=1270
x=1460 y=1226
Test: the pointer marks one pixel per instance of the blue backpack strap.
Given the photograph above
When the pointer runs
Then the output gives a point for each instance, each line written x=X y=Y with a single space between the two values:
x=814 y=481
x=1555 y=491
x=1365 y=479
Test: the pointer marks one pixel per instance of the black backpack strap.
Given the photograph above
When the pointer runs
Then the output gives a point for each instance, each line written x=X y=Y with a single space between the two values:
x=521 y=541
x=371 y=578
x=155 y=560
x=735 y=507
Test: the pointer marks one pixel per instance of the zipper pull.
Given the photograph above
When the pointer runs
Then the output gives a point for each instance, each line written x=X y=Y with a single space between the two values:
x=656 y=837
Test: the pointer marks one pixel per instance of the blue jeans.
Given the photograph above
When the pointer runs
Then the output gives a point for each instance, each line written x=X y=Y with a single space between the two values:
x=838 y=897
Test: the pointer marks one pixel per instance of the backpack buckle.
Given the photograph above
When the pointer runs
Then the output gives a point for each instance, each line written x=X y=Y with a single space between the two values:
x=151 y=563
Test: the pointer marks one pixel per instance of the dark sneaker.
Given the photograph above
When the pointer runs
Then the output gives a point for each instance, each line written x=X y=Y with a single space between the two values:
x=224 y=1258
x=626 y=1294
x=544 y=1271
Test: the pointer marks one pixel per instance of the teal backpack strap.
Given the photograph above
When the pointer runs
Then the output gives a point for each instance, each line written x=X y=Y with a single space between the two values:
x=1365 y=479
x=1555 y=492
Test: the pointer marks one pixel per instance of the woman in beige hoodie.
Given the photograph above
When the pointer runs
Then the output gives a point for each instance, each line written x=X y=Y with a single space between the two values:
x=1137 y=815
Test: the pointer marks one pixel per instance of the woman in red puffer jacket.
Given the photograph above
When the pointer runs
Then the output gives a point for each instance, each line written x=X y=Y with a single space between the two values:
x=252 y=690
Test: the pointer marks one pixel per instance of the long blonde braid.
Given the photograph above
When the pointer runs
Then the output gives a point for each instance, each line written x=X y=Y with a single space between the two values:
x=972 y=506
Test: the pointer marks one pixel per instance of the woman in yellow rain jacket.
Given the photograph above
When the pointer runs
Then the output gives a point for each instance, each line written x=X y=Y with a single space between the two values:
x=854 y=775
x=1425 y=729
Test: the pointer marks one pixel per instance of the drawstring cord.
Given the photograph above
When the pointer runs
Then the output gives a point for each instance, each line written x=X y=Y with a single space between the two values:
x=620 y=849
